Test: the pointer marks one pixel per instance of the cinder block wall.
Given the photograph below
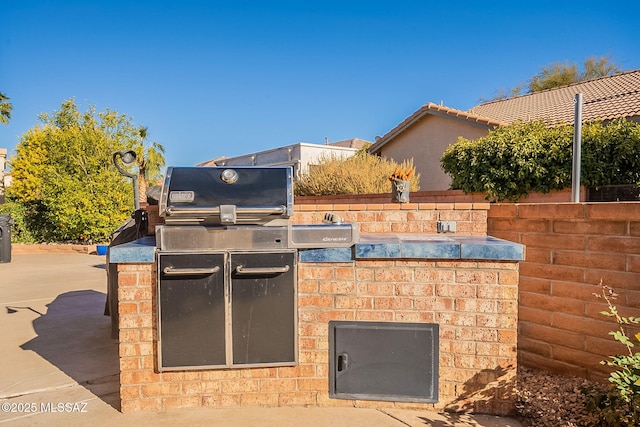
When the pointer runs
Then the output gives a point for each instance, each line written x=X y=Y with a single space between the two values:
x=474 y=302
x=570 y=249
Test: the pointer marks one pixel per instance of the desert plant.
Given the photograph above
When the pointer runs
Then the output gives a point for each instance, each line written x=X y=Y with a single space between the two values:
x=620 y=405
x=362 y=173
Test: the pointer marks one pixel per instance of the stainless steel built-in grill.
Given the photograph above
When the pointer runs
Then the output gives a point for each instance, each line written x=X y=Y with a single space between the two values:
x=227 y=267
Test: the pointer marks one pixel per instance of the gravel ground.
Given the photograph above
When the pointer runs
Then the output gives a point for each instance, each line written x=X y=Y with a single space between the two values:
x=547 y=400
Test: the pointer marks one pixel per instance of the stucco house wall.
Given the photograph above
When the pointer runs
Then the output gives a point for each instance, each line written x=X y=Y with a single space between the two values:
x=425 y=134
x=425 y=141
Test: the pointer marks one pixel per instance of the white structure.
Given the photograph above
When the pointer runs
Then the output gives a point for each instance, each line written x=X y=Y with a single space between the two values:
x=299 y=156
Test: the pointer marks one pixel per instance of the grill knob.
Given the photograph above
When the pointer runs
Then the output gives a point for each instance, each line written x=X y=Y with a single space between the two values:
x=229 y=176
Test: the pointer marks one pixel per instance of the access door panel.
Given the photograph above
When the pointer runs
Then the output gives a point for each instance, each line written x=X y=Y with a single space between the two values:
x=192 y=310
x=263 y=308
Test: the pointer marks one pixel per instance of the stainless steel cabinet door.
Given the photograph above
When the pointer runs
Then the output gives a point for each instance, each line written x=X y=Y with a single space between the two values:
x=391 y=361
x=192 y=310
x=263 y=307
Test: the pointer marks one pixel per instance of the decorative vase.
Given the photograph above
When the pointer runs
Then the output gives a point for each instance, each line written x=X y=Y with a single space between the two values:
x=400 y=191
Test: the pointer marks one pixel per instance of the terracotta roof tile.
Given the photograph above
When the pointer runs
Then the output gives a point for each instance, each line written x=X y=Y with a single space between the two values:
x=604 y=98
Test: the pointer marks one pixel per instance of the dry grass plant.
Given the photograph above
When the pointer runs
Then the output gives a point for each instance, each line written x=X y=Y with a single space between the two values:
x=362 y=173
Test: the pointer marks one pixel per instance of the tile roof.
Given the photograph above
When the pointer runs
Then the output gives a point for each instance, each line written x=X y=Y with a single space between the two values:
x=435 y=109
x=604 y=98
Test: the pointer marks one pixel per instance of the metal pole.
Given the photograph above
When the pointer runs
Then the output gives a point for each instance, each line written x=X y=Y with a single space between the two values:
x=577 y=149
x=136 y=192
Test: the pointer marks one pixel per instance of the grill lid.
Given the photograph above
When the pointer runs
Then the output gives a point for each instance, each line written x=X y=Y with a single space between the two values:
x=226 y=196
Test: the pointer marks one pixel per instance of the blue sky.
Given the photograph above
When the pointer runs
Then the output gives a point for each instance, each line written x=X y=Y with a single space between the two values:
x=225 y=78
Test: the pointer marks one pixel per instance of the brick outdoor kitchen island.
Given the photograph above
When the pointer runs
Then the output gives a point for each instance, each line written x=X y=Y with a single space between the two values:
x=399 y=273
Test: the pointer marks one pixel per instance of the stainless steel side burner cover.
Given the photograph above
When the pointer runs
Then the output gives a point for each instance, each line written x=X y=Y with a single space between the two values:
x=226 y=196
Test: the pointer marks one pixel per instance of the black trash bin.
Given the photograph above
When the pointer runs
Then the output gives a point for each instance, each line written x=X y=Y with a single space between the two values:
x=5 y=237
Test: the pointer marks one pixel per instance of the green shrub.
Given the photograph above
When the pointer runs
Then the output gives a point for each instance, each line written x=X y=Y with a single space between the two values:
x=514 y=160
x=610 y=154
x=20 y=231
x=362 y=173
x=64 y=180
x=620 y=406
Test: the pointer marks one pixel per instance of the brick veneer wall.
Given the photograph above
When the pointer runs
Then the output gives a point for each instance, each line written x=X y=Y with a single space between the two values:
x=470 y=218
x=375 y=218
x=570 y=249
x=474 y=302
x=44 y=248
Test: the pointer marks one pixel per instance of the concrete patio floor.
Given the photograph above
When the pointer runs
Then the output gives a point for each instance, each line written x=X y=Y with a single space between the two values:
x=59 y=364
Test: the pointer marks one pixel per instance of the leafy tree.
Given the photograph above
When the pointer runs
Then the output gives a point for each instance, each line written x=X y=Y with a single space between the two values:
x=554 y=75
x=598 y=67
x=20 y=231
x=64 y=179
x=5 y=109
x=150 y=160
x=560 y=74
x=514 y=160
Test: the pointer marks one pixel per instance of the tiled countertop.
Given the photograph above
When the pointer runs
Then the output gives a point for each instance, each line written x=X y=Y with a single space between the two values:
x=139 y=251
x=370 y=246
x=417 y=246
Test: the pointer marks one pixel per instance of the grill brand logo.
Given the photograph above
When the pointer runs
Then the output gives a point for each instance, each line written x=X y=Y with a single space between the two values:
x=181 y=196
x=334 y=239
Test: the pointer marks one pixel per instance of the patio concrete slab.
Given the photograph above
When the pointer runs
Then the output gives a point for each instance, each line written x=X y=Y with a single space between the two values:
x=59 y=364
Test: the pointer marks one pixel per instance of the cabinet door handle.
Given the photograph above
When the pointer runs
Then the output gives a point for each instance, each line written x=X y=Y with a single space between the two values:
x=172 y=271
x=241 y=269
x=343 y=362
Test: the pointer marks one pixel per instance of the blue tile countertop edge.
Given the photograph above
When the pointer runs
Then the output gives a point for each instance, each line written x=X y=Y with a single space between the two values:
x=417 y=246
x=139 y=251
x=370 y=246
